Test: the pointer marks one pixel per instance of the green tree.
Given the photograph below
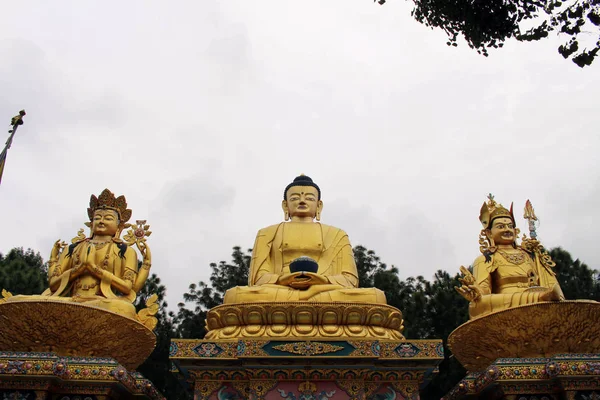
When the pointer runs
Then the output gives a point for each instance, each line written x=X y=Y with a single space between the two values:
x=488 y=24
x=191 y=322
x=23 y=272
x=157 y=367
x=576 y=279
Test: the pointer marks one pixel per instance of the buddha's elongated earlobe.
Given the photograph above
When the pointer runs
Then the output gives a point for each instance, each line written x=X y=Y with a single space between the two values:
x=286 y=215
x=319 y=209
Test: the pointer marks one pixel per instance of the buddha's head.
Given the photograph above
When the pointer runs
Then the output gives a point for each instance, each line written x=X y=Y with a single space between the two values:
x=498 y=223
x=108 y=215
x=302 y=199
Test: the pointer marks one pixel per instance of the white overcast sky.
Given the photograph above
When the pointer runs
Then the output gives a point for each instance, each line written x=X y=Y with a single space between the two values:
x=201 y=112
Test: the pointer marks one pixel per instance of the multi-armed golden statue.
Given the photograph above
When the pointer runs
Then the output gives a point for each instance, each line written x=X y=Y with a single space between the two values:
x=507 y=274
x=100 y=275
x=303 y=281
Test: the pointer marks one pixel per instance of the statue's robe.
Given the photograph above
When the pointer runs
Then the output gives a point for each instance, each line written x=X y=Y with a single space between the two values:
x=270 y=260
x=505 y=284
x=118 y=260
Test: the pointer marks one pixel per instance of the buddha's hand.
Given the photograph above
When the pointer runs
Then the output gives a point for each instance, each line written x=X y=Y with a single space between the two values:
x=469 y=292
x=308 y=279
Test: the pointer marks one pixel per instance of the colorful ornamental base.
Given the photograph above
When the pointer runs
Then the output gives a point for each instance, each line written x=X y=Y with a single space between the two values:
x=46 y=376
x=319 y=368
x=561 y=377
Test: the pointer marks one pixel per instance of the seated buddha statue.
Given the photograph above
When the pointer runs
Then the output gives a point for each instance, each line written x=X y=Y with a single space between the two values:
x=300 y=236
x=100 y=270
x=507 y=274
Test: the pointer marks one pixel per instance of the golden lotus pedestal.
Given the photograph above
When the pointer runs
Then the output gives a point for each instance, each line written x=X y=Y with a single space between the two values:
x=324 y=351
x=52 y=348
x=549 y=350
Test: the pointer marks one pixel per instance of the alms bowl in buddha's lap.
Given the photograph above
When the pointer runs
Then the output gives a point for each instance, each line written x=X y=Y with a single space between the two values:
x=304 y=264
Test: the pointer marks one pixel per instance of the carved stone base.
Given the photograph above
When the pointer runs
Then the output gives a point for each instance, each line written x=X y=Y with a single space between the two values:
x=45 y=376
x=304 y=320
x=563 y=376
x=340 y=369
x=73 y=329
x=532 y=330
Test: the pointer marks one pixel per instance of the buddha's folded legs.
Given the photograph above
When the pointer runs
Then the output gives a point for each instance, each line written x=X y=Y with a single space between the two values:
x=319 y=293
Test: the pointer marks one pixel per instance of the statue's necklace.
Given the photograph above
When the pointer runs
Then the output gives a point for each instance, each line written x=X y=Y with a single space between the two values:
x=514 y=258
x=100 y=245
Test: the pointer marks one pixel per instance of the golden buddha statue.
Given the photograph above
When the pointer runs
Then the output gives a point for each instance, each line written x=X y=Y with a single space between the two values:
x=507 y=274
x=278 y=246
x=303 y=282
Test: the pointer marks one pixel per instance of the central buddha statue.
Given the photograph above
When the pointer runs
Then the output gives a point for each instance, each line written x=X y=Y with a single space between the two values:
x=302 y=239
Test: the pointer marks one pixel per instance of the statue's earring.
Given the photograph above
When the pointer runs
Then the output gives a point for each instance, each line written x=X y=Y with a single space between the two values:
x=318 y=215
x=286 y=215
x=492 y=246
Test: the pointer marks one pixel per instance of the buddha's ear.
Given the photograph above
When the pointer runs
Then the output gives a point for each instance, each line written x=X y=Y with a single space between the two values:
x=286 y=211
x=319 y=209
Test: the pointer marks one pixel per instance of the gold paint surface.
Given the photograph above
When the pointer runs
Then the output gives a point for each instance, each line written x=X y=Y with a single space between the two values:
x=533 y=330
x=71 y=329
x=304 y=320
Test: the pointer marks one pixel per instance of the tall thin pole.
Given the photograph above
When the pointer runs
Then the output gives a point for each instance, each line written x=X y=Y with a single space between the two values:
x=14 y=122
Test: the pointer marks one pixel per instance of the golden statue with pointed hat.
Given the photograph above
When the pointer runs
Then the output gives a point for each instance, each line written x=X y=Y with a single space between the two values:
x=99 y=272
x=507 y=274
x=303 y=281
x=516 y=306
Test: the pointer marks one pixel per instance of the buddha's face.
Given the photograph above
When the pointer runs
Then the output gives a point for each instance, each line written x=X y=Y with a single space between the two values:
x=105 y=223
x=302 y=201
x=503 y=231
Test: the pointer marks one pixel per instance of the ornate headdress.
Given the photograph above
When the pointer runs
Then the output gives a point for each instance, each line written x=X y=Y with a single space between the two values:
x=107 y=201
x=302 y=180
x=491 y=210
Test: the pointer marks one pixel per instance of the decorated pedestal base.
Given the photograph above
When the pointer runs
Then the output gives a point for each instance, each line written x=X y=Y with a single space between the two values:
x=561 y=377
x=315 y=368
x=304 y=320
x=73 y=329
x=47 y=376
x=532 y=330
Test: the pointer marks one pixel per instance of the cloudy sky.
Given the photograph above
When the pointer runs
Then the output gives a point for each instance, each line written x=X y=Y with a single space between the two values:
x=200 y=113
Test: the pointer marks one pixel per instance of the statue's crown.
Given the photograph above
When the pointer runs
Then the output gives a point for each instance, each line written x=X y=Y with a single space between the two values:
x=491 y=210
x=107 y=200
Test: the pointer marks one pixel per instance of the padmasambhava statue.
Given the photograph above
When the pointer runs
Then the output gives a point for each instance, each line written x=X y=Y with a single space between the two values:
x=507 y=274
x=301 y=238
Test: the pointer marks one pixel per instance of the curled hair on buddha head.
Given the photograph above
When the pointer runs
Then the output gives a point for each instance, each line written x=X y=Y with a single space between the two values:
x=302 y=180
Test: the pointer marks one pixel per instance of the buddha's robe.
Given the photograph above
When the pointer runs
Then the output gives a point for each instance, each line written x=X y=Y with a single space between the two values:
x=505 y=284
x=118 y=262
x=278 y=245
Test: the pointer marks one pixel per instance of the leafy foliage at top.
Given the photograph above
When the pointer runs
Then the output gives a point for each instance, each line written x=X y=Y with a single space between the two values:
x=488 y=24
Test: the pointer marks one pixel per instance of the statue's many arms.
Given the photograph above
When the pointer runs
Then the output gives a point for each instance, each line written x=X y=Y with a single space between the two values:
x=100 y=270
x=277 y=246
